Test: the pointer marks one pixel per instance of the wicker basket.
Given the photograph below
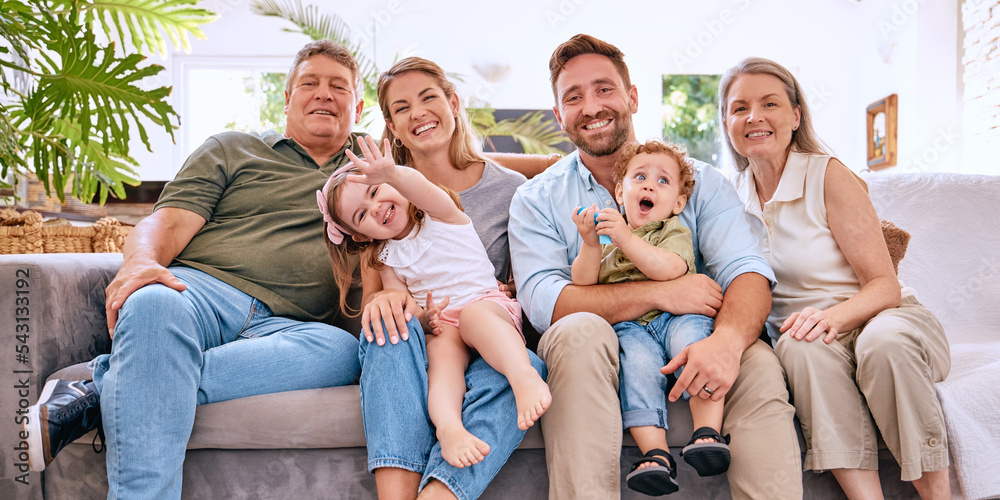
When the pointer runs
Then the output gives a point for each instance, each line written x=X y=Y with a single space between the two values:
x=25 y=233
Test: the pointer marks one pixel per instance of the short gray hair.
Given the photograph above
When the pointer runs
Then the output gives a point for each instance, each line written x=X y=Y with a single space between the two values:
x=331 y=49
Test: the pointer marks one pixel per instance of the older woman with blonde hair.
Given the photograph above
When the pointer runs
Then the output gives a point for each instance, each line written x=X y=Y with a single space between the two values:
x=860 y=353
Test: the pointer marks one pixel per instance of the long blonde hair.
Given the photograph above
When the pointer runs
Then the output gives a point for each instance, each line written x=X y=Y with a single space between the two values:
x=466 y=147
x=804 y=139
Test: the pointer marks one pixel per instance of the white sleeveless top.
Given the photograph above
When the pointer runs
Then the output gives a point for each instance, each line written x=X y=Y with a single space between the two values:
x=447 y=260
x=796 y=240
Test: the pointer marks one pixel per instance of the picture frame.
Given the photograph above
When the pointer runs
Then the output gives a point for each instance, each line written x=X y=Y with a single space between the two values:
x=881 y=135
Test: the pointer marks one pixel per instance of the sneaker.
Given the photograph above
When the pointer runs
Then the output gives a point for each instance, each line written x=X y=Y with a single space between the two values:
x=65 y=411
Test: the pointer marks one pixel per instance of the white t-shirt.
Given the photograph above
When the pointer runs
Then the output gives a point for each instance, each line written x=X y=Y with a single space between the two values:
x=447 y=260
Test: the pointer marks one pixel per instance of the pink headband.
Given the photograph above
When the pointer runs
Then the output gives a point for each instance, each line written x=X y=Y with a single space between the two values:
x=335 y=232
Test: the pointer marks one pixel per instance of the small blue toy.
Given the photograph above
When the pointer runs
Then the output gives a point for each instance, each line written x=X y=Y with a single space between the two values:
x=604 y=239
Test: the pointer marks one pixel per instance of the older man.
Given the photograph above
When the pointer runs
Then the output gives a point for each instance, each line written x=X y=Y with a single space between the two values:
x=233 y=251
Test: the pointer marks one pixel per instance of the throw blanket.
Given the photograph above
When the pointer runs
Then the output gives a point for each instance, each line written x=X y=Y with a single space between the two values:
x=970 y=399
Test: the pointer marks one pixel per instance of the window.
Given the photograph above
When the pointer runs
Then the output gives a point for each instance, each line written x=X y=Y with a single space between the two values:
x=690 y=115
x=244 y=96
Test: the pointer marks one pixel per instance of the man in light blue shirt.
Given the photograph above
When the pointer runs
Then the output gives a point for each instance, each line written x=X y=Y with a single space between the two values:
x=594 y=104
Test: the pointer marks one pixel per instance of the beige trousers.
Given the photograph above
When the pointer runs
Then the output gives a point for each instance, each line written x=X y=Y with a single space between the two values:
x=583 y=426
x=884 y=370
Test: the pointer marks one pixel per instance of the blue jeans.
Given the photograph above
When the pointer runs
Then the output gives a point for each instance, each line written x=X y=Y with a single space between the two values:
x=399 y=430
x=643 y=351
x=175 y=350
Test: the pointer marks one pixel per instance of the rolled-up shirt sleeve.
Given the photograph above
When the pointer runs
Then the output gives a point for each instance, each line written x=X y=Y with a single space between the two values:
x=725 y=246
x=539 y=254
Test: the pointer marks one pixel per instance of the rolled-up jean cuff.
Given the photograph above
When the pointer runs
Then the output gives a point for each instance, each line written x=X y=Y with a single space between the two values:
x=455 y=488
x=395 y=463
x=644 y=417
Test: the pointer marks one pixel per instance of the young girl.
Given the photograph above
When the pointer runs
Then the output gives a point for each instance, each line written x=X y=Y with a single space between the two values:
x=419 y=239
x=653 y=181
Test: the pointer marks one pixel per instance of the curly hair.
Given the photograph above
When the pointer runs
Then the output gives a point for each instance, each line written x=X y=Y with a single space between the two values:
x=675 y=151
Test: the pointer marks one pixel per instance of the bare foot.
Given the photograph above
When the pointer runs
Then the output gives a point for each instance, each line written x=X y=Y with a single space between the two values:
x=652 y=464
x=460 y=448
x=532 y=396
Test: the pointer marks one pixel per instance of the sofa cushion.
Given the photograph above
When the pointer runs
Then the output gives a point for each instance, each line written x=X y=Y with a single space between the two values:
x=319 y=418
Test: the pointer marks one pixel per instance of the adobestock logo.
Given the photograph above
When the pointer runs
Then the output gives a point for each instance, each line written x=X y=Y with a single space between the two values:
x=941 y=144
x=902 y=13
x=695 y=46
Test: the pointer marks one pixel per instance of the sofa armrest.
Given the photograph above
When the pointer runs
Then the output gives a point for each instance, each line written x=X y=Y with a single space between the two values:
x=55 y=302
x=51 y=316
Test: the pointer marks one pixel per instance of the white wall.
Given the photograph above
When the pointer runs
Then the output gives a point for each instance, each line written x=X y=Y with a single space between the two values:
x=835 y=47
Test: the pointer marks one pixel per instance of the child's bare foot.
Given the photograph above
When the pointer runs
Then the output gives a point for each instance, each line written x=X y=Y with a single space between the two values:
x=461 y=448
x=532 y=396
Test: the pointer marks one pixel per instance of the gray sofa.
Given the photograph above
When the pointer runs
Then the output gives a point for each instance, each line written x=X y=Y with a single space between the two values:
x=310 y=444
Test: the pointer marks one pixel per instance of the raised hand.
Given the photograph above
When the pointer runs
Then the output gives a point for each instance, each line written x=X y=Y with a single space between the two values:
x=377 y=167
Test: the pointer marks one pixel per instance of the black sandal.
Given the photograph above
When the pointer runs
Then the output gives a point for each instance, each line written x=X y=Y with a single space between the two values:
x=655 y=480
x=709 y=459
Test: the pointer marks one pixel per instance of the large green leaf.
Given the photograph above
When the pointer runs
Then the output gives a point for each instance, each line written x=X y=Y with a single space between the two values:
x=95 y=169
x=146 y=21
x=94 y=87
x=73 y=123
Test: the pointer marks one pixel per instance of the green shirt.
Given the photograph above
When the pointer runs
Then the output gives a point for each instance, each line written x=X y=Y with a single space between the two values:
x=263 y=231
x=668 y=234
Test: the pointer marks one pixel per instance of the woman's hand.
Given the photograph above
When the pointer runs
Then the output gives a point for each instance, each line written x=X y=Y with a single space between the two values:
x=611 y=223
x=431 y=317
x=809 y=324
x=392 y=306
x=585 y=223
x=376 y=167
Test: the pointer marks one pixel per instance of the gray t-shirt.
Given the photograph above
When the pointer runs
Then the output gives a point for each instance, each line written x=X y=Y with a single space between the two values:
x=487 y=203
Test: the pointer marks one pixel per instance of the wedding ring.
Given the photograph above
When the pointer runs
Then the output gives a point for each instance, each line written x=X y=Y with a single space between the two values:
x=707 y=390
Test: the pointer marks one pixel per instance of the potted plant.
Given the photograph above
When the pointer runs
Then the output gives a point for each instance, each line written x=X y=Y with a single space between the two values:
x=71 y=88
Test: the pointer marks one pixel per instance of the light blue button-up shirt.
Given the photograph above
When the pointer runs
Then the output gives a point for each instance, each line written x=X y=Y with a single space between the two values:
x=544 y=240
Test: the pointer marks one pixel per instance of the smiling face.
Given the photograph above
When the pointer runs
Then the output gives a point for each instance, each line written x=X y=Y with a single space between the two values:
x=594 y=106
x=322 y=104
x=377 y=211
x=651 y=189
x=760 y=119
x=421 y=114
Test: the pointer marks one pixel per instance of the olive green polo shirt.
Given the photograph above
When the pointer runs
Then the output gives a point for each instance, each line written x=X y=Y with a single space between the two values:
x=263 y=232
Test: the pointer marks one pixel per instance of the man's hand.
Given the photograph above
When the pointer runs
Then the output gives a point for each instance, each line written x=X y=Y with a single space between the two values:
x=394 y=307
x=691 y=294
x=711 y=363
x=133 y=275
